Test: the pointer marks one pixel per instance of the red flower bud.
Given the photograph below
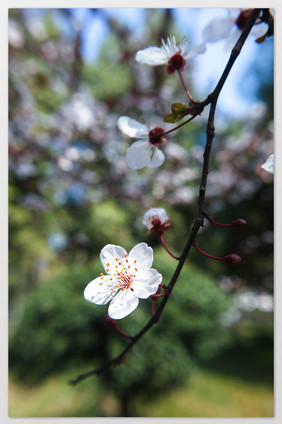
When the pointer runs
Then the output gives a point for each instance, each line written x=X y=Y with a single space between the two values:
x=238 y=223
x=232 y=259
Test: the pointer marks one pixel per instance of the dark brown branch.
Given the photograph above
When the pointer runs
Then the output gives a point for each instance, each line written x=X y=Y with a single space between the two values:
x=210 y=132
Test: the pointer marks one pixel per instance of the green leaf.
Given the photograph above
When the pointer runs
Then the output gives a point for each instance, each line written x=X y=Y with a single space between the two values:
x=169 y=118
x=179 y=107
x=179 y=110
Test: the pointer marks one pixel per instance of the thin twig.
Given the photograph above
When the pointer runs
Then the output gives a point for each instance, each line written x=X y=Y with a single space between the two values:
x=210 y=132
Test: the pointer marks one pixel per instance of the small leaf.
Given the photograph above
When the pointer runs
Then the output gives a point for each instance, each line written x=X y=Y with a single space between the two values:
x=178 y=108
x=169 y=118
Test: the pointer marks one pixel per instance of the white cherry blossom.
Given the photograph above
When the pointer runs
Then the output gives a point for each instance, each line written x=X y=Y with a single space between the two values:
x=128 y=278
x=269 y=164
x=229 y=27
x=170 y=53
x=144 y=152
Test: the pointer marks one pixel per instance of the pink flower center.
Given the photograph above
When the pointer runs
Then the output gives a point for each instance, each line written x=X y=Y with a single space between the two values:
x=175 y=63
x=124 y=280
x=155 y=137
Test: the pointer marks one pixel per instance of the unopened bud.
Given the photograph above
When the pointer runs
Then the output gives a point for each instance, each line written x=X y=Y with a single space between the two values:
x=238 y=223
x=232 y=259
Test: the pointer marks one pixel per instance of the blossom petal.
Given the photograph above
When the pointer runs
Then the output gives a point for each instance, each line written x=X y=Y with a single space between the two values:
x=123 y=304
x=232 y=38
x=217 y=29
x=100 y=291
x=131 y=127
x=146 y=283
x=109 y=255
x=156 y=159
x=139 y=154
x=153 y=56
x=259 y=30
x=143 y=255
x=198 y=49
x=269 y=164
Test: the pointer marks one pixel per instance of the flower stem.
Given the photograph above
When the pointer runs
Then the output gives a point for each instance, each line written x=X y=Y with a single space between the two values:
x=178 y=126
x=206 y=254
x=168 y=251
x=184 y=86
x=115 y=325
x=212 y=221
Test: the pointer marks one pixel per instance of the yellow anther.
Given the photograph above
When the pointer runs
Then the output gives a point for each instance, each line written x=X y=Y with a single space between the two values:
x=101 y=274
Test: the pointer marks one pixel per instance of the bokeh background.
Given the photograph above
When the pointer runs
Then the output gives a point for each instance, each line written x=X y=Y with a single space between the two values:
x=72 y=73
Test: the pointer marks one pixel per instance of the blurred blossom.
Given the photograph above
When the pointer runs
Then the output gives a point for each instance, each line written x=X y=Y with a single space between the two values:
x=184 y=175
x=249 y=301
x=25 y=169
x=266 y=303
x=79 y=112
x=57 y=241
x=37 y=28
x=267 y=237
x=246 y=301
x=229 y=27
x=230 y=317
x=175 y=152
x=182 y=195
x=257 y=111
x=236 y=143
x=65 y=164
x=269 y=164
x=15 y=34
x=50 y=51
x=34 y=202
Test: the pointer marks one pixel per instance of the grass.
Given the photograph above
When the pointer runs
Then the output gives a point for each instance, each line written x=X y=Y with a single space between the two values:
x=208 y=394
x=239 y=383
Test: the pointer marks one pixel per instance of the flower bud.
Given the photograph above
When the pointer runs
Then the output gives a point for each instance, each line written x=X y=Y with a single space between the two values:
x=157 y=221
x=232 y=259
x=239 y=223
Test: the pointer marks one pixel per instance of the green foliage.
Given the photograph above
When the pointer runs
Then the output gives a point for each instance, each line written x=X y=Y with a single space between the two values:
x=107 y=81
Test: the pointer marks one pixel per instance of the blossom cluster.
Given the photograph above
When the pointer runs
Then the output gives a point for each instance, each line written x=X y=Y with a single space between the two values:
x=130 y=277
